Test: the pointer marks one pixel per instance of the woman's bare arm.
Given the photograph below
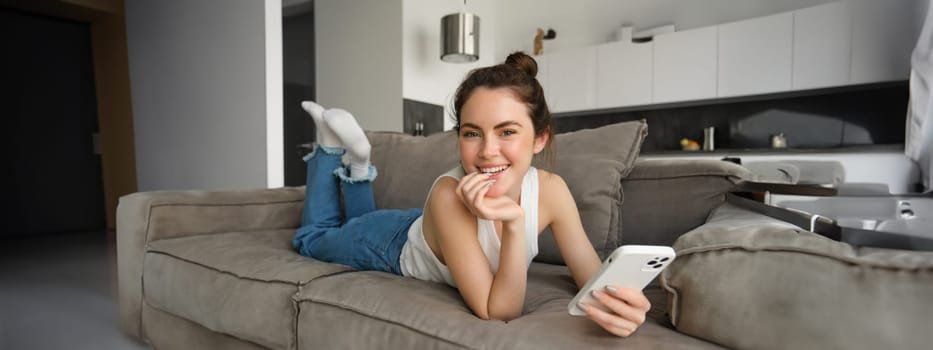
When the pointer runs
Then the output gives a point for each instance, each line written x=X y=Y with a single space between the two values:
x=628 y=306
x=497 y=296
x=564 y=219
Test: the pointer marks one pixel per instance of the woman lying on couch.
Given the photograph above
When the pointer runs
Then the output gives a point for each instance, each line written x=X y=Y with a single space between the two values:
x=478 y=230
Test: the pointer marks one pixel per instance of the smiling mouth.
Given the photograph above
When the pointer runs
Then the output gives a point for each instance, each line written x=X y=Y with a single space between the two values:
x=494 y=170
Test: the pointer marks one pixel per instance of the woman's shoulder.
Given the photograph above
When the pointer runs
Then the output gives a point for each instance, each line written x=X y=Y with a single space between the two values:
x=446 y=182
x=444 y=208
x=554 y=195
x=444 y=191
x=550 y=182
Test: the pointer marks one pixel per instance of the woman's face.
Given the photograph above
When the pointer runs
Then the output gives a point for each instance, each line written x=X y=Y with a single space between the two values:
x=498 y=137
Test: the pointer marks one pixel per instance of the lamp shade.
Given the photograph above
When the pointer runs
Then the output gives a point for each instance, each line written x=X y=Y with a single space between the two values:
x=460 y=37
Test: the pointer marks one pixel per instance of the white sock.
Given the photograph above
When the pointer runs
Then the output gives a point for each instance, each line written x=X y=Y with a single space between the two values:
x=325 y=136
x=353 y=138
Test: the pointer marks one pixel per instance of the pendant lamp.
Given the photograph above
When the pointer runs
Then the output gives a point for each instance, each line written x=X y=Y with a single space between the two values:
x=460 y=37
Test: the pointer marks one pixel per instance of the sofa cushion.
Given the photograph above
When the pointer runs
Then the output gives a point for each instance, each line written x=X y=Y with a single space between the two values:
x=665 y=197
x=402 y=313
x=393 y=312
x=546 y=321
x=745 y=280
x=592 y=162
x=239 y=283
x=167 y=331
x=408 y=165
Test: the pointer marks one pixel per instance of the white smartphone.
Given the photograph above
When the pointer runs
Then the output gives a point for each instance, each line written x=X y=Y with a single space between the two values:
x=630 y=266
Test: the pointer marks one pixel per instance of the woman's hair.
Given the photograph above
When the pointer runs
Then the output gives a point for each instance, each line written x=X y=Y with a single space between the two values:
x=517 y=74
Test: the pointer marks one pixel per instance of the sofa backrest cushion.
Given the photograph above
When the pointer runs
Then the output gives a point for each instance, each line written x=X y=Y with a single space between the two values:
x=592 y=162
x=408 y=165
x=666 y=197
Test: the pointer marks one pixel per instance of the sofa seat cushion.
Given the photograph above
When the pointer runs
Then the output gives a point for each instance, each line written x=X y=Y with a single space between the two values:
x=745 y=280
x=363 y=310
x=547 y=325
x=378 y=310
x=238 y=283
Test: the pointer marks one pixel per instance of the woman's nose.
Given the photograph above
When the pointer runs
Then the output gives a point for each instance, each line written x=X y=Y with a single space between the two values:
x=490 y=147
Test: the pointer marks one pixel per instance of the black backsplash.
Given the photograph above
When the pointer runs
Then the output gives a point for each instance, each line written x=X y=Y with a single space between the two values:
x=861 y=115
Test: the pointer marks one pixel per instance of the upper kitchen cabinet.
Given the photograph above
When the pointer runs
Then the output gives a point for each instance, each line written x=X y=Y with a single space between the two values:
x=624 y=77
x=685 y=65
x=571 y=77
x=841 y=43
x=822 y=46
x=755 y=55
x=883 y=35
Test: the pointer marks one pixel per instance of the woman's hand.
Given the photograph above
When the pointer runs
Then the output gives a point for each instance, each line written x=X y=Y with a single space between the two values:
x=628 y=309
x=472 y=191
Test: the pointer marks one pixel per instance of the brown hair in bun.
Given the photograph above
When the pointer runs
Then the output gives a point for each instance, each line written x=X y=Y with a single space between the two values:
x=523 y=62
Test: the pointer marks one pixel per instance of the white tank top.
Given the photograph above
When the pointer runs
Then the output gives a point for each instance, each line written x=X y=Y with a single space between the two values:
x=418 y=261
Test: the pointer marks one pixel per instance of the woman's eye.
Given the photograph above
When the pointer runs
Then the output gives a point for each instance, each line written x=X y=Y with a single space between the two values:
x=508 y=132
x=470 y=134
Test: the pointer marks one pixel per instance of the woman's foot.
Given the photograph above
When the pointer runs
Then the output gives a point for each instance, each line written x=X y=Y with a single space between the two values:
x=354 y=140
x=325 y=136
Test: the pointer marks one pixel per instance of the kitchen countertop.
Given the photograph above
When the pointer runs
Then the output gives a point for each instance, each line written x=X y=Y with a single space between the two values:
x=894 y=148
x=884 y=165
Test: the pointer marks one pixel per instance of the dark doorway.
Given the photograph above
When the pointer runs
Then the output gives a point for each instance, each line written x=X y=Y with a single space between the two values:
x=298 y=74
x=50 y=117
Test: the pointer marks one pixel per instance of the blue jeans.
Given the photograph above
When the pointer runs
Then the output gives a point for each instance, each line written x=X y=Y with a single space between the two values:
x=361 y=237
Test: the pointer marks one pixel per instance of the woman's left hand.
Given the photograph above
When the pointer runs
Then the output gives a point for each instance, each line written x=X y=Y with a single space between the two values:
x=628 y=310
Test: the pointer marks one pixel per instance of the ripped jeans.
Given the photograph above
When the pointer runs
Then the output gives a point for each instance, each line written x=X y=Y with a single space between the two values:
x=361 y=237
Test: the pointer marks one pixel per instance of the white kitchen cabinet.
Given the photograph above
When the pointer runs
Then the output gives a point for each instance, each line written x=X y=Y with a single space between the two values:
x=841 y=43
x=623 y=74
x=822 y=46
x=755 y=55
x=572 y=79
x=883 y=35
x=685 y=65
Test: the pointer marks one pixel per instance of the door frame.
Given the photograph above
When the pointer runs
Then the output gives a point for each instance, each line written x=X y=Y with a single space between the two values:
x=112 y=88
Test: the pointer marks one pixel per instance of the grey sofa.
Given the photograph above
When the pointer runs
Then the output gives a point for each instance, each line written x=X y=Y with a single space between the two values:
x=216 y=269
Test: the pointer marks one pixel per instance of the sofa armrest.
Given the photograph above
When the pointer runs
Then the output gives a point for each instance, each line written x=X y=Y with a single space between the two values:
x=150 y=216
x=665 y=198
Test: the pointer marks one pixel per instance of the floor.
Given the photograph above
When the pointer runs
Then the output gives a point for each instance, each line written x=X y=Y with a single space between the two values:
x=57 y=291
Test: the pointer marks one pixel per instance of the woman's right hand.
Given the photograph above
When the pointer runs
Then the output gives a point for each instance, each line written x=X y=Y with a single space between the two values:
x=472 y=191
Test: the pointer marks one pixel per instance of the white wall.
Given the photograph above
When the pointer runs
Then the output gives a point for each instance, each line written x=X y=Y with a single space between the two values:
x=359 y=60
x=425 y=77
x=589 y=22
x=391 y=53
x=198 y=79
